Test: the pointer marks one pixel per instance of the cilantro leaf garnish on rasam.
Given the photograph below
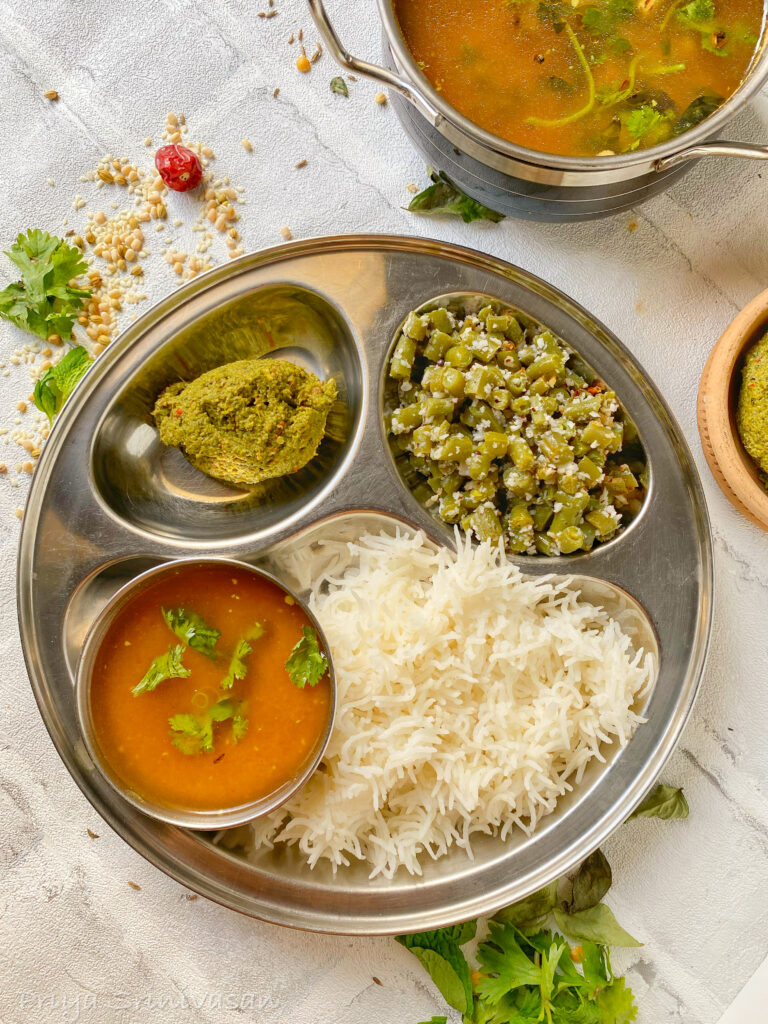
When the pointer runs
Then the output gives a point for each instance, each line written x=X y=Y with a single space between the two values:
x=528 y=971
x=307 y=664
x=164 y=666
x=191 y=629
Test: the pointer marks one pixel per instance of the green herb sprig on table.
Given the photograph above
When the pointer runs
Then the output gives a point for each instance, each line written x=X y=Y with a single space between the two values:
x=443 y=197
x=57 y=384
x=43 y=302
x=528 y=971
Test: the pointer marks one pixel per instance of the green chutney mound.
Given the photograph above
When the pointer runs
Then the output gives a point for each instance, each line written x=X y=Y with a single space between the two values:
x=752 y=413
x=247 y=421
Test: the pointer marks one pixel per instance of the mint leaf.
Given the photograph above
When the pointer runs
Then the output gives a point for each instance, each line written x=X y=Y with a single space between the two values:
x=191 y=629
x=596 y=924
x=445 y=198
x=165 y=666
x=57 y=384
x=43 y=302
x=307 y=664
x=662 y=802
x=446 y=965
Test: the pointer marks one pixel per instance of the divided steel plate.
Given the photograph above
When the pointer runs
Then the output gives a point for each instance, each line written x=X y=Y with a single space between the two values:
x=107 y=500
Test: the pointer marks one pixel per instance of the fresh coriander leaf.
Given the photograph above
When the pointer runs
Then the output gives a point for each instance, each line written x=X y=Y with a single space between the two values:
x=549 y=965
x=237 y=667
x=596 y=924
x=696 y=112
x=443 y=197
x=192 y=735
x=590 y=883
x=662 y=802
x=446 y=965
x=641 y=122
x=551 y=12
x=617 y=1004
x=239 y=727
x=339 y=86
x=532 y=910
x=307 y=664
x=165 y=666
x=43 y=302
x=594 y=965
x=603 y=20
x=505 y=965
x=697 y=12
x=435 y=1020
x=223 y=710
x=57 y=384
x=190 y=628
x=570 y=1007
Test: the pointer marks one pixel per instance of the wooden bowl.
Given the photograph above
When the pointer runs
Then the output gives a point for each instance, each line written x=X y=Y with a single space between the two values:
x=731 y=466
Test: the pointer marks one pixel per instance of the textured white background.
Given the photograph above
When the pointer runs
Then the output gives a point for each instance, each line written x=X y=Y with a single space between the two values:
x=76 y=941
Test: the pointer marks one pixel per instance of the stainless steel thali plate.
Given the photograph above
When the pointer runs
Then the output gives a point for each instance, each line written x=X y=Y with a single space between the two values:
x=107 y=501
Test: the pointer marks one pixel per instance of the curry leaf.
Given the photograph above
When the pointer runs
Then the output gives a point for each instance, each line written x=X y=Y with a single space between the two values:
x=530 y=911
x=443 y=197
x=596 y=924
x=590 y=883
x=663 y=802
x=165 y=666
x=696 y=112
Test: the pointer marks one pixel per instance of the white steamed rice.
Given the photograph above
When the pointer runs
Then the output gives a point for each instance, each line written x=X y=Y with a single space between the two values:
x=470 y=699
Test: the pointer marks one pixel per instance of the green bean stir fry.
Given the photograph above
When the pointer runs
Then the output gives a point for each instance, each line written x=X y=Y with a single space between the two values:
x=507 y=436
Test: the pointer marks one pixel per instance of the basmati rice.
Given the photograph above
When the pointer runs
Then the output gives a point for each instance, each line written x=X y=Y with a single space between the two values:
x=470 y=699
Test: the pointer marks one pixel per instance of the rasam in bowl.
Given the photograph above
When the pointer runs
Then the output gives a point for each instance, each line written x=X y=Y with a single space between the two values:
x=205 y=692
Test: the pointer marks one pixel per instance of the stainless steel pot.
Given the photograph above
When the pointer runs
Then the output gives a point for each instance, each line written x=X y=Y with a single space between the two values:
x=523 y=182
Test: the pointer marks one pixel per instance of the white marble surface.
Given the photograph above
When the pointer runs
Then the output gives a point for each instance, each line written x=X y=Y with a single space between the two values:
x=76 y=940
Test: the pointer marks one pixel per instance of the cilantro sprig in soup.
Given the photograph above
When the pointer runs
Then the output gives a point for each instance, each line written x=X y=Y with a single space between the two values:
x=210 y=689
x=583 y=77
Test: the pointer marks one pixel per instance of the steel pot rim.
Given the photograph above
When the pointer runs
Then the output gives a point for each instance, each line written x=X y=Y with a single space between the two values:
x=655 y=157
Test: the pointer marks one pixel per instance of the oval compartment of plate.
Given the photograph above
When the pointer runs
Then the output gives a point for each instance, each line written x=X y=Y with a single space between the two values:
x=107 y=500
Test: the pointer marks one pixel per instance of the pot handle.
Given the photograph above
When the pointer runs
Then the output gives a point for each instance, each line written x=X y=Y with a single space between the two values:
x=746 y=150
x=362 y=67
